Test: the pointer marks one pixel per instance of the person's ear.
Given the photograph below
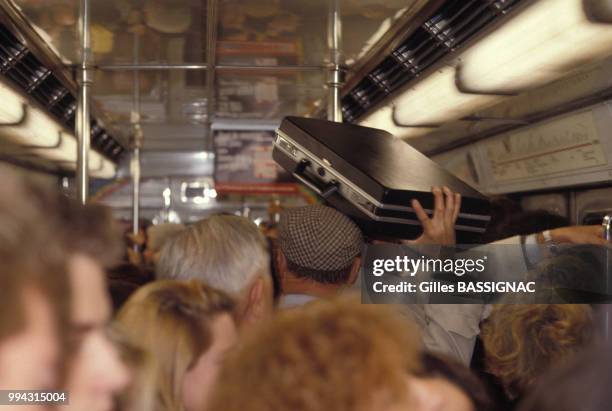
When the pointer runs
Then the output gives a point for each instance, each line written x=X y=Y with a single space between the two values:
x=354 y=274
x=281 y=266
x=255 y=305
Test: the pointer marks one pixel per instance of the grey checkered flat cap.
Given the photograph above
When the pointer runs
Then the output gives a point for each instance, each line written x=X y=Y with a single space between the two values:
x=319 y=238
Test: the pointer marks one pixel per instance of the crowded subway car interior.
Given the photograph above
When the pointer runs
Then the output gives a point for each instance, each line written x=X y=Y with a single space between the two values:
x=270 y=205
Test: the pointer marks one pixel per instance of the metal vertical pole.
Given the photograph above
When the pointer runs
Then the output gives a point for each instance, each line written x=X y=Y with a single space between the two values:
x=606 y=309
x=82 y=123
x=336 y=73
x=135 y=171
x=211 y=57
x=136 y=144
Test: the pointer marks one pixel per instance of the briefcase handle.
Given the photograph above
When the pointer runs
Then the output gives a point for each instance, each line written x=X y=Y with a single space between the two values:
x=324 y=191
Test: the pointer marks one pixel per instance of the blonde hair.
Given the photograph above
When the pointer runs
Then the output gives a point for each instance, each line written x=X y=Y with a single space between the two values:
x=225 y=251
x=140 y=393
x=522 y=341
x=336 y=355
x=171 y=321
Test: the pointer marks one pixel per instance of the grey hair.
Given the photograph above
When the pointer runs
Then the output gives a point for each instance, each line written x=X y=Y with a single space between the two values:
x=226 y=252
x=157 y=235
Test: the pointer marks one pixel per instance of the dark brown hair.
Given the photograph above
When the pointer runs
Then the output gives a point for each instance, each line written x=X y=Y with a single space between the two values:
x=30 y=254
x=91 y=230
x=440 y=366
x=581 y=384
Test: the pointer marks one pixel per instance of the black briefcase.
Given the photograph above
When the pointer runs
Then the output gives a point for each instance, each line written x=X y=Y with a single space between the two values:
x=372 y=176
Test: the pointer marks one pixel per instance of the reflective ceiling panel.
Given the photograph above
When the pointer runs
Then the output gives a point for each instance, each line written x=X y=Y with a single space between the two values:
x=167 y=97
x=174 y=31
x=267 y=95
x=289 y=35
x=289 y=32
x=365 y=21
x=170 y=31
x=272 y=32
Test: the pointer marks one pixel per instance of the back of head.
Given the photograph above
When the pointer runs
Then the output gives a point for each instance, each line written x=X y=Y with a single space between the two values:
x=523 y=341
x=575 y=272
x=330 y=355
x=581 y=384
x=124 y=280
x=171 y=320
x=225 y=251
x=157 y=235
x=510 y=223
x=319 y=243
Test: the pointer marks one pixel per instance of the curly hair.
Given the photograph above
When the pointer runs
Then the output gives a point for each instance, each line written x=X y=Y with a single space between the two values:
x=522 y=341
x=333 y=355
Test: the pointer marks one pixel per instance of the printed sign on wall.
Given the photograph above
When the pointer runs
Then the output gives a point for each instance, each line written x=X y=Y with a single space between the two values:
x=246 y=157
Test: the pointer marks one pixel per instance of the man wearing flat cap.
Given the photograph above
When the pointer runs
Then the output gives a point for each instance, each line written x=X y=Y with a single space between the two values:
x=318 y=247
x=318 y=253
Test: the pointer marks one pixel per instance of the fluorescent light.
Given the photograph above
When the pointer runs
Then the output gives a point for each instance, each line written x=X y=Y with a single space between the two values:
x=11 y=107
x=99 y=166
x=39 y=130
x=108 y=169
x=383 y=119
x=540 y=44
x=436 y=100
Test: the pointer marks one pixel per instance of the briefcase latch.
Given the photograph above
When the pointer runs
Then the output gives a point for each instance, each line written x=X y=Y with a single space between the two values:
x=323 y=190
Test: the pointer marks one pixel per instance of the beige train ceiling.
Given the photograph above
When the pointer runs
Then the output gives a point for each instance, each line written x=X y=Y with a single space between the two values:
x=282 y=42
